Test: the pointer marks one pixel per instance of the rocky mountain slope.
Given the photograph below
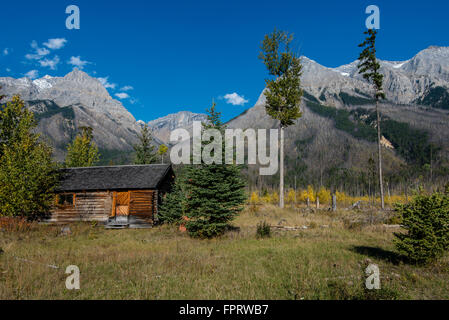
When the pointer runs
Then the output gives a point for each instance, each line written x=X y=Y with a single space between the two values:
x=64 y=104
x=335 y=137
x=162 y=127
x=415 y=81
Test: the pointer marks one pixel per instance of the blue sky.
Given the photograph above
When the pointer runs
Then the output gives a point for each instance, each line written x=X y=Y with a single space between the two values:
x=179 y=55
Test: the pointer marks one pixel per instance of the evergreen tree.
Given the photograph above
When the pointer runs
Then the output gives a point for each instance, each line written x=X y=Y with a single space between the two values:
x=28 y=175
x=82 y=152
x=425 y=219
x=283 y=93
x=172 y=207
x=145 y=153
x=369 y=67
x=214 y=192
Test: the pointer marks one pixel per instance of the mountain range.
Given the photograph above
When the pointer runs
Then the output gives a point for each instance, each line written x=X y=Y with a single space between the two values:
x=336 y=136
x=334 y=133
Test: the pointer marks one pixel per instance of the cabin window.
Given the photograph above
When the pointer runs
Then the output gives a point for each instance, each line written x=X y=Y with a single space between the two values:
x=66 y=200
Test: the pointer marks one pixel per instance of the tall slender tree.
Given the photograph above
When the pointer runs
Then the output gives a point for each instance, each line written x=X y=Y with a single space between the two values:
x=369 y=68
x=162 y=151
x=82 y=152
x=283 y=92
x=145 y=150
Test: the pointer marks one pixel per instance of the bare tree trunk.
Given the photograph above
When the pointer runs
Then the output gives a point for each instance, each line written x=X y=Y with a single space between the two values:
x=295 y=191
x=379 y=152
x=281 y=170
x=431 y=169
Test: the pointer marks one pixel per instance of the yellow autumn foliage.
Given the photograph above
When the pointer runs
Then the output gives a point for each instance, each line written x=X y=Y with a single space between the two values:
x=291 y=195
x=254 y=199
x=324 y=195
x=275 y=198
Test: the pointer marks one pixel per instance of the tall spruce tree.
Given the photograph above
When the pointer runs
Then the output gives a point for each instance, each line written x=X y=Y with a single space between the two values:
x=28 y=174
x=369 y=67
x=283 y=93
x=172 y=209
x=145 y=150
x=82 y=152
x=214 y=193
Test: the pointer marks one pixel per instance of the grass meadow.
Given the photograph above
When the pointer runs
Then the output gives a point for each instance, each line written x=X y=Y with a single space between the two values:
x=322 y=258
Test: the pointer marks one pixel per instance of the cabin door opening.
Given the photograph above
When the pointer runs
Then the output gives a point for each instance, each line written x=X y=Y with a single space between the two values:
x=121 y=204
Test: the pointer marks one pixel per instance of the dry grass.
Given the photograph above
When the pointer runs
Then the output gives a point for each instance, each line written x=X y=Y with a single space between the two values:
x=322 y=261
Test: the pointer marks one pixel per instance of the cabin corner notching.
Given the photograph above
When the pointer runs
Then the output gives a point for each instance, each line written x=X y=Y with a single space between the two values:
x=119 y=196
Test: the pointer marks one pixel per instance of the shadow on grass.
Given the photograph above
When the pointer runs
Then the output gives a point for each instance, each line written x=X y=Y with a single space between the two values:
x=379 y=253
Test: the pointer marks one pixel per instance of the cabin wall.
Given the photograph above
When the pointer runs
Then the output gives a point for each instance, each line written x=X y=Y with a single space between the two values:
x=89 y=206
x=98 y=206
x=143 y=205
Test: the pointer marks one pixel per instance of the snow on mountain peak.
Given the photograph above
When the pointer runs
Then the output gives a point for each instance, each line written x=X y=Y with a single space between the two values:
x=43 y=84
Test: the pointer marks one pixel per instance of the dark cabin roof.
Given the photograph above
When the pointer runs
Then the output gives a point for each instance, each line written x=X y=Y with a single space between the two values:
x=113 y=177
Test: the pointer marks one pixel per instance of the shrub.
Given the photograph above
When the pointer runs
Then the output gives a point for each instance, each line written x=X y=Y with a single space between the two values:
x=266 y=198
x=291 y=195
x=426 y=219
x=254 y=199
x=309 y=193
x=263 y=230
x=275 y=198
x=324 y=195
x=15 y=224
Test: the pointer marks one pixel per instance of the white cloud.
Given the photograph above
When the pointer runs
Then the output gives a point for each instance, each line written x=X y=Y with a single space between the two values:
x=127 y=88
x=33 y=74
x=39 y=52
x=51 y=63
x=5 y=51
x=122 y=95
x=105 y=82
x=55 y=44
x=76 y=61
x=8 y=70
x=235 y=99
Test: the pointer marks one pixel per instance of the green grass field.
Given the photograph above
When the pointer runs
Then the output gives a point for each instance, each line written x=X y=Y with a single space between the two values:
x=324 y=261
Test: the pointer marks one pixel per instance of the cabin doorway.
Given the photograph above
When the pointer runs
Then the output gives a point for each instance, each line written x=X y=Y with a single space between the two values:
x=119 y=218
x=122 y=204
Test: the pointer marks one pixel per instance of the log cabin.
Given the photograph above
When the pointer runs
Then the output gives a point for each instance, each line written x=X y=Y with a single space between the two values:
x=118 y=196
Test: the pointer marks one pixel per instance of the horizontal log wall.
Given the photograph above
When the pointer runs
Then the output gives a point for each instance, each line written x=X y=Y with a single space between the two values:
x=142 y=204
x=89 y=206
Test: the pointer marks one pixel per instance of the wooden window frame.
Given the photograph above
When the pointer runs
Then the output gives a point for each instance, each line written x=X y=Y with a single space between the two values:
x=65 y=205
